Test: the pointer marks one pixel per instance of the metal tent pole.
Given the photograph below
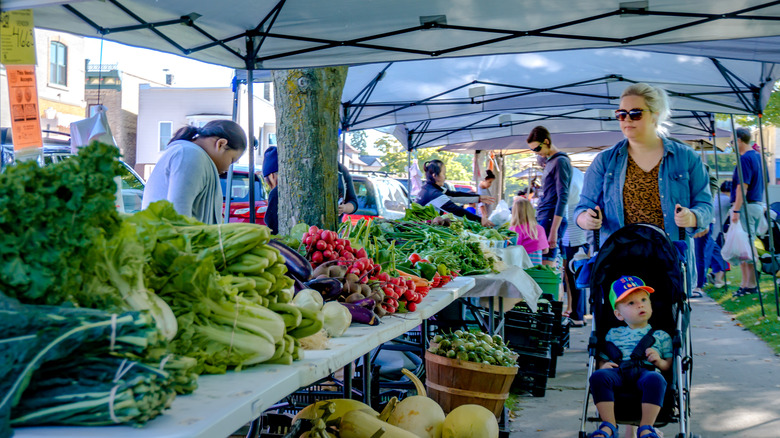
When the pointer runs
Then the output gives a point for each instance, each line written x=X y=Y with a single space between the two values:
x=409 y=170
x=343 y=147
x=744 y=212
x=250 y=79
x=229 y=182
x=765 y=175
x=717 y=177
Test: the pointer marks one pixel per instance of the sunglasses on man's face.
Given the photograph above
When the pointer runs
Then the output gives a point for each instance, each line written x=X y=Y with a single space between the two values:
x=538 y=148
x=634 y=114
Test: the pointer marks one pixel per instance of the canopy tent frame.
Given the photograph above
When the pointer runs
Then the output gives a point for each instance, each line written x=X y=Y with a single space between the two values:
x=748 y=94
x=482 y=36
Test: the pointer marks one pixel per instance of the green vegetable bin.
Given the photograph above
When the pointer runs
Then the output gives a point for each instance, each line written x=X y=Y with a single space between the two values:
x=546 y=279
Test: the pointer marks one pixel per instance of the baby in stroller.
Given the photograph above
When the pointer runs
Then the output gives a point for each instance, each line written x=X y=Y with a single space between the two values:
x=631 y=356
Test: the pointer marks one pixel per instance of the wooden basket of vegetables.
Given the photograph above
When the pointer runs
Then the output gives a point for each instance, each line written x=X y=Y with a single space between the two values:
x=469 y=368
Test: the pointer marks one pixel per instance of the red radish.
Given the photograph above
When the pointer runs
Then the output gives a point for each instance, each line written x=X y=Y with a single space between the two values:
x=414 y=258
x=361 y=253
x=327 y=254
x=322 y=245
x=316 y=257
x=411 y=307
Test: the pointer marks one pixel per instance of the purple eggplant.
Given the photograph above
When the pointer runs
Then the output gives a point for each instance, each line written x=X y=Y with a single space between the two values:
x=298 y=285
x=362 y=315
x=329 y=288
x=297 y=265
x=368 y=303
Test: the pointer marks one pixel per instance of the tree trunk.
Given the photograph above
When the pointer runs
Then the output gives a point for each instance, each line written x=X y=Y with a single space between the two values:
x=307 y=122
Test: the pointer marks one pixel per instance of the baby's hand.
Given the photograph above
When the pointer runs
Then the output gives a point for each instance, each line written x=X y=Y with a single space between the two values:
x=652 y=355
x=608 y=365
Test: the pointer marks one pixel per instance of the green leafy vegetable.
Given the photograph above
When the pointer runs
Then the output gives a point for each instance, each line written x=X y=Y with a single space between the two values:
x=50 y=217
x=50 y=346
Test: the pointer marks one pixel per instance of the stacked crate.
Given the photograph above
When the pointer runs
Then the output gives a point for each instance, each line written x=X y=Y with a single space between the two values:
x=530 y=335
x=560 y=334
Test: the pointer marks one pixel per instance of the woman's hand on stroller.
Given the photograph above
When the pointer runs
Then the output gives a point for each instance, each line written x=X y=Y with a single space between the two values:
x=683 y=217
x=590 y=219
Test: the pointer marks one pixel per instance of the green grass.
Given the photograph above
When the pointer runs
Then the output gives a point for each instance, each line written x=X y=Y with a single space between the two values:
x=747 y=309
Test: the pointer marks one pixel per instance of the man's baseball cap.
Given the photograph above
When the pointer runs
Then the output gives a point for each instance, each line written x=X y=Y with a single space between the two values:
x=624 y=286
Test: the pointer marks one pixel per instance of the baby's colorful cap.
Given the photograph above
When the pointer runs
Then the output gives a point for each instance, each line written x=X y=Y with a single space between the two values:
x=624 y=286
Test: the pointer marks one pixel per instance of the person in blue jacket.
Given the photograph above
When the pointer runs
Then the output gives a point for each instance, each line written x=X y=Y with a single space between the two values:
x=645 y=178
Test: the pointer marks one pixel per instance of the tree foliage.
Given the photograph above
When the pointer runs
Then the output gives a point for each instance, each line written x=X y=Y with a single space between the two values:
x=395 y=159
x=771 y=115
x=358 y=141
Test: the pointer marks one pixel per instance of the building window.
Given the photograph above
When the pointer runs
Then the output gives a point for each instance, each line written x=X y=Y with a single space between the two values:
x=58 y=63
x=166 y=132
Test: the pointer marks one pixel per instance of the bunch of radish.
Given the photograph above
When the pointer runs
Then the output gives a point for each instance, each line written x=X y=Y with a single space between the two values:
x=324 y=245
x=399 y=290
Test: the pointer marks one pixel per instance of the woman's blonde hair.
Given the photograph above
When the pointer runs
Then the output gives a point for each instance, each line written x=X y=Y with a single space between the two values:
x=524 y=216
x=657 y=101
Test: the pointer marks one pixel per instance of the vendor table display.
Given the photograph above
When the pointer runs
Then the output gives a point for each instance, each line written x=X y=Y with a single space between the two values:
x=220 y=298
x=224 y=403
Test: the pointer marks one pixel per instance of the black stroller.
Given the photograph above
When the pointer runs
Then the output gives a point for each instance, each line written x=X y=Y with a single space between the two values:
x=645 y=251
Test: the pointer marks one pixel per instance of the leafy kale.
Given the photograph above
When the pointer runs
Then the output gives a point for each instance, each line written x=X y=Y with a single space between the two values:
x=50 y=217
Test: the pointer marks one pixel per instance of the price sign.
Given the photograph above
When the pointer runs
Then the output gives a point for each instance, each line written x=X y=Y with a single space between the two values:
x=23 y=97
x=16 y=37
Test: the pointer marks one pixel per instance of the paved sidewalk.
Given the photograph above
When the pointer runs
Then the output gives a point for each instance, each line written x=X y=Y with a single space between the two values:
x=736 y=385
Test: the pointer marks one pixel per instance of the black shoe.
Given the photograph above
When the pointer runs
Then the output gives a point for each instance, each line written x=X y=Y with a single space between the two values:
x=738 y=293
x=750 y=290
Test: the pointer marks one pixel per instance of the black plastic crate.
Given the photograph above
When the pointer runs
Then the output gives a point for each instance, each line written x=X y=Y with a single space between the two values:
x=530 y=383
x=274 y=425
x=533 y=373
x=530 y=332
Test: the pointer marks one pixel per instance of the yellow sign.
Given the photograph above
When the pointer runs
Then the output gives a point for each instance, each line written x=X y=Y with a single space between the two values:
x=16 y=37
x=23 y=100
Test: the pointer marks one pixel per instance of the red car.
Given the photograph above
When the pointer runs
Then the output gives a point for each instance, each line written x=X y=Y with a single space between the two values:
x=239 y=200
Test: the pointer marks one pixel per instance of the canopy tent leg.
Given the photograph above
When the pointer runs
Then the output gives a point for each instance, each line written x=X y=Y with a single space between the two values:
x=229 y=182
x=250 y=79
x=409 y=170
x=344 y=147
x=745 y=214
x=717 y=176
x=765 y=175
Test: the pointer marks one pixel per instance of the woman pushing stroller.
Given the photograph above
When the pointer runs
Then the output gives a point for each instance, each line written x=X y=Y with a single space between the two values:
x=631 y=357
x=645 y=178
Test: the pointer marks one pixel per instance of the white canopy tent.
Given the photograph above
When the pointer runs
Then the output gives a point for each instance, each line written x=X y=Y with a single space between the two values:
x=570 y=142
x=307 y=33
x=450 y=101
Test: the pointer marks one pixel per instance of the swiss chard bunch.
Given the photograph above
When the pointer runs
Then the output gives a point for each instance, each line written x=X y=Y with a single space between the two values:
x=50 y=217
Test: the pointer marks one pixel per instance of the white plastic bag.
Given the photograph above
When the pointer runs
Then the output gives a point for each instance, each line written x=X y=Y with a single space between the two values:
x=501 y=214
x=736 y=247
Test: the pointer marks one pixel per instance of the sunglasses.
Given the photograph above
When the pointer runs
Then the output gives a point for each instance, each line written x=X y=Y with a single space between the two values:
x=634 y=114
x=538 y=148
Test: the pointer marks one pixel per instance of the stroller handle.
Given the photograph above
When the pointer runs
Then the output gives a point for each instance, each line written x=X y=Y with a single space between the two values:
x=597 y=232
x=681 y=231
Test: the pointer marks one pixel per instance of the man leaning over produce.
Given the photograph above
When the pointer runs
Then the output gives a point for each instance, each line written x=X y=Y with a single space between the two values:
x=271 y=175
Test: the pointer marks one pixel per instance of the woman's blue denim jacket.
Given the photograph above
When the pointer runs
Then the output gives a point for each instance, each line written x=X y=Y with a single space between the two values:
x=682 y=180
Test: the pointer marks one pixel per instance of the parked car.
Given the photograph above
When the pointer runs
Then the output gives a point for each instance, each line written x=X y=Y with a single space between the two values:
x=239 y=195
x=378 y=196
x=57 y=148
x=464 y=188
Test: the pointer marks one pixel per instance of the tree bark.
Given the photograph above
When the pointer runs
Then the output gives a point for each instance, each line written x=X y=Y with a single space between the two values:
x=307 y=121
